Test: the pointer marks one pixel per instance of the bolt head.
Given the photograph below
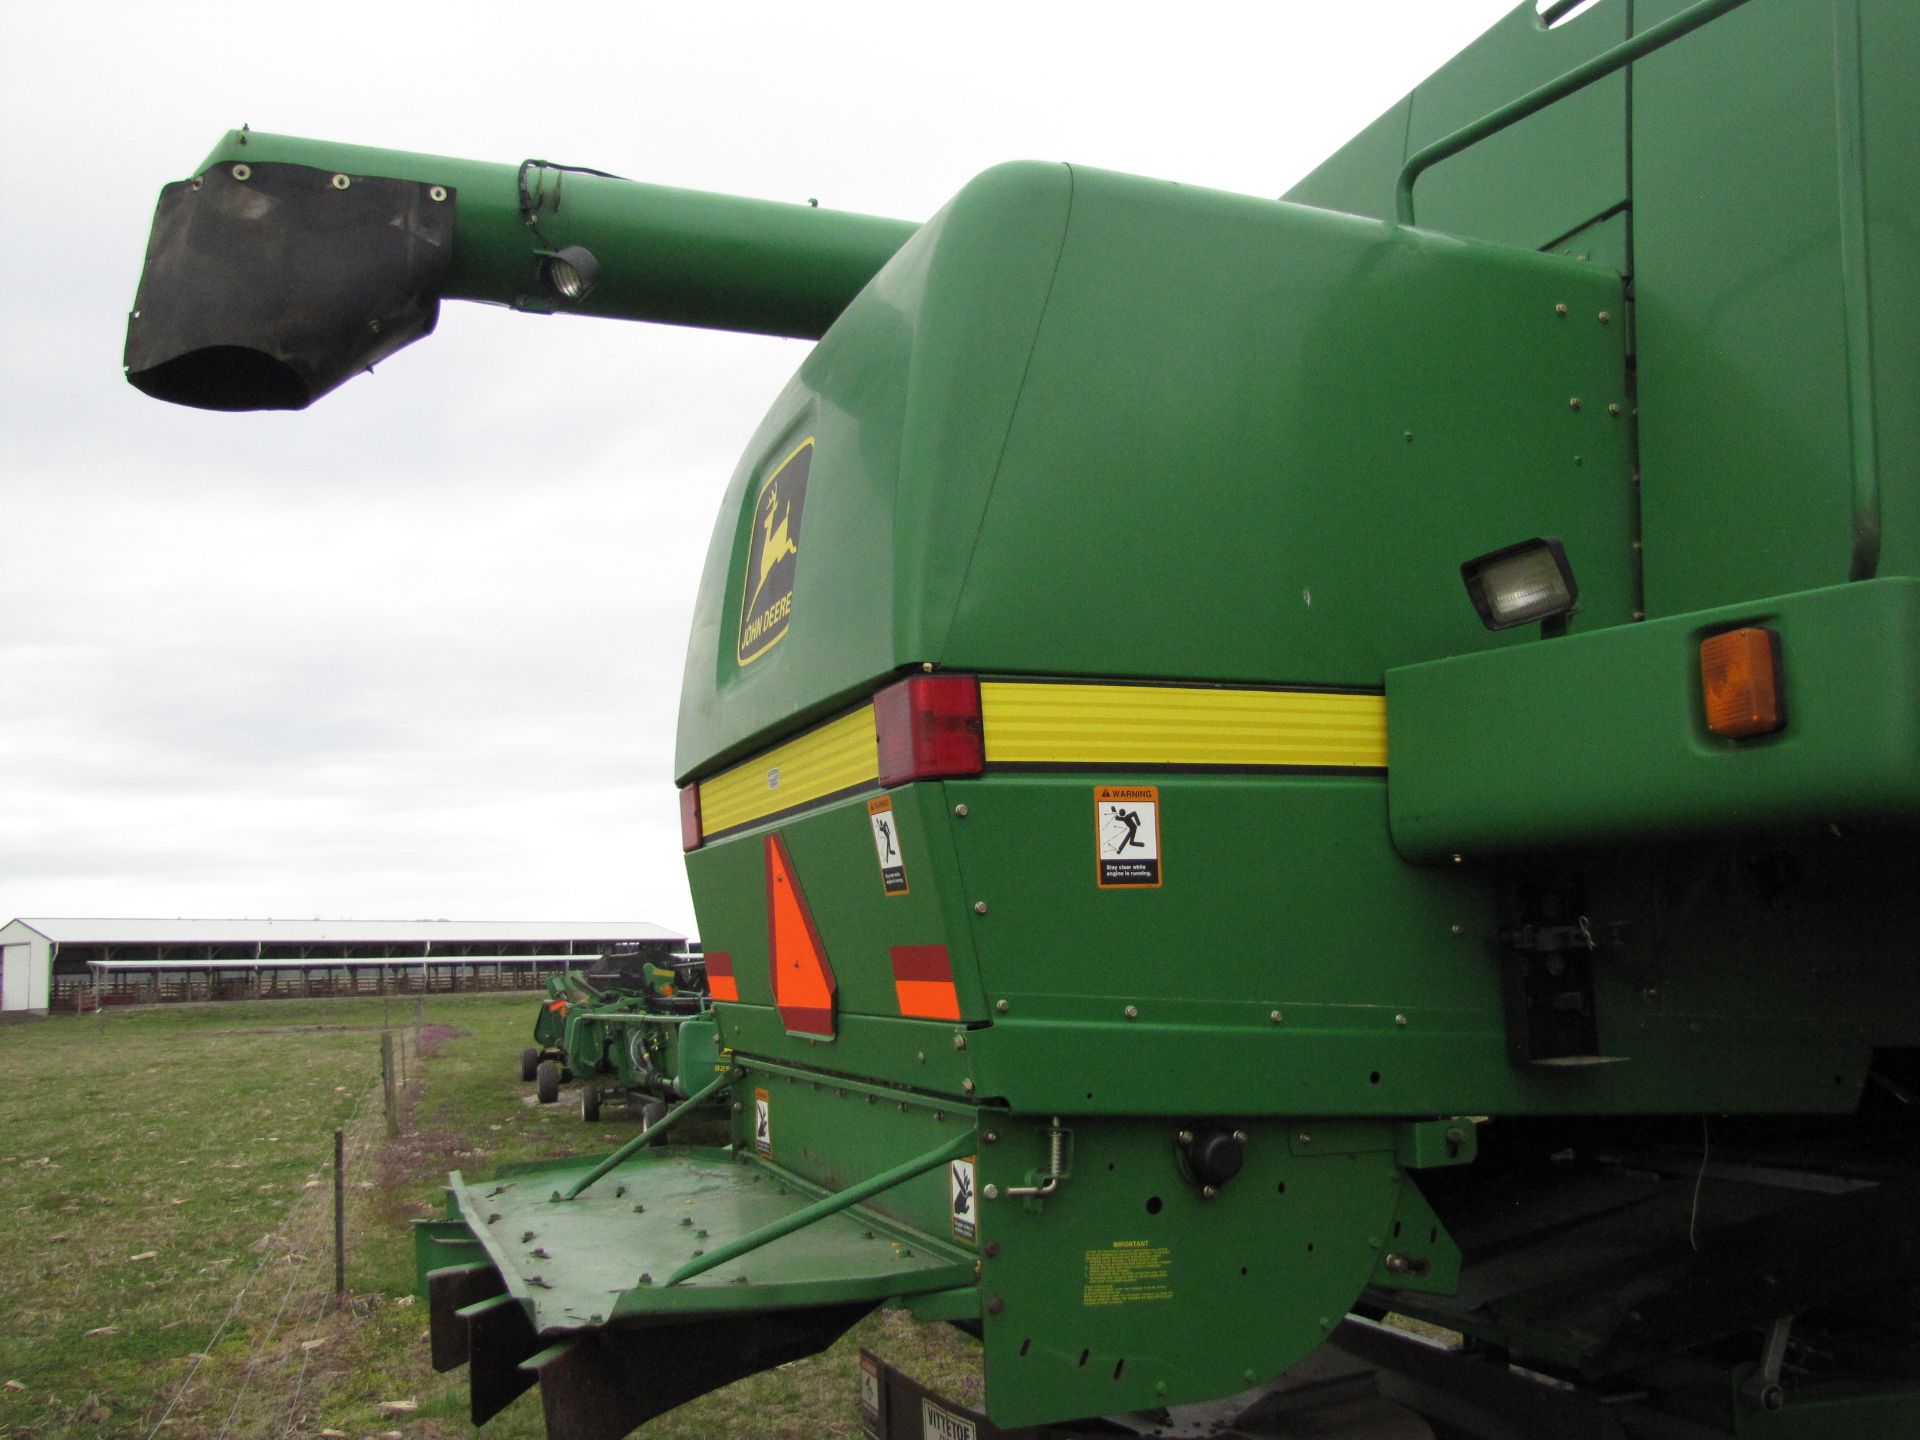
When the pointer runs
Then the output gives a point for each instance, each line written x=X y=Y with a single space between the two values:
x=1133 y=1012
x=1183 y=1137
x=992 y=1192
x=1002 y=1006
x=959 y=1042
x=1207 y=1192
x=990 y=1136
x=966 y=1086
x=960 y=811
x=1275 y=1016
x=1560 y=310
x=1401 y=1021
x=1573 y=403
x=1605 y=317
x=979 y=907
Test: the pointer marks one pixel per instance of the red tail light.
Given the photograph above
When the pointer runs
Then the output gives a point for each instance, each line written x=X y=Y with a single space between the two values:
x=928 y=727
x=690 y=835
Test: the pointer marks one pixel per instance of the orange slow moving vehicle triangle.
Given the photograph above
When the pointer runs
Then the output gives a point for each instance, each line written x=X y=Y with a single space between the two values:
x=803 y=985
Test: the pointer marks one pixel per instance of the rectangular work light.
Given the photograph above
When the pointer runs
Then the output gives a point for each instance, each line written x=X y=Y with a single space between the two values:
x=1521 y=584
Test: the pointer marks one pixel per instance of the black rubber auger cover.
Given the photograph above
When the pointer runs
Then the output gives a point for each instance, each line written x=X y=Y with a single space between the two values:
x=268 y=285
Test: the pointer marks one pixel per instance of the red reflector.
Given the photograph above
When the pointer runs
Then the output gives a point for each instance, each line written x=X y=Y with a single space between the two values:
x=802 y=979
x=690 y=835
x=720 y=982
x=928 y=726
x=923 y=982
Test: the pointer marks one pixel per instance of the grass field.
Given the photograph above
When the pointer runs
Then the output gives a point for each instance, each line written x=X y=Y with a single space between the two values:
x=166 y=1228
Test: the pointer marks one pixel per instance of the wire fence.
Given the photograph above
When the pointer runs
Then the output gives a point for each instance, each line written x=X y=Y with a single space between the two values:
x=303 y=1243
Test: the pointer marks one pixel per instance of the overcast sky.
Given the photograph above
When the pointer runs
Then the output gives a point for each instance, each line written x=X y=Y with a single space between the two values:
x=415 y=652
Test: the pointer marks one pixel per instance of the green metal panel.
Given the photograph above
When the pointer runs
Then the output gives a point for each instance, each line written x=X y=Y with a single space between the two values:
x=1742 y=351
x=1549 y=174
x=917 y=378
x=1213 y=375
x=1603 y=740
x=1358 y=177
x=1529 y=186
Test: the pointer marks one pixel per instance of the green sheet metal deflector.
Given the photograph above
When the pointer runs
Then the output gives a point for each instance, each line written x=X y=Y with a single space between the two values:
x=555 y=1255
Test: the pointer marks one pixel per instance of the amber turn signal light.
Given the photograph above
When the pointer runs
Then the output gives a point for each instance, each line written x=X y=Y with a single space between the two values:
x=1740 y=679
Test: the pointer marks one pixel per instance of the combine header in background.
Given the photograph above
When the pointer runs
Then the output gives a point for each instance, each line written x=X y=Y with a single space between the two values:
x=1246 y=761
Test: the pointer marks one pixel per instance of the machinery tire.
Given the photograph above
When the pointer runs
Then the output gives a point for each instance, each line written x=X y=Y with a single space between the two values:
x=652 y=1113
x=589 y=1104
x=529 y=1062
x=546 y=1082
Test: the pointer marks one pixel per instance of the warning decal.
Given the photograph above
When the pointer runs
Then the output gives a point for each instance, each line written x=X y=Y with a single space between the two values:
x=886 y=845
x=1126 y=1272
x=762 y=1125
x=773 y=550
x=869 y=1394
x=960 y=1184
x=1126 y=836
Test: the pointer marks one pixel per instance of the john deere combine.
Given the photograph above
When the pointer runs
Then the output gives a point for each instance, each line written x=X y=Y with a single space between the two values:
x=1244 y=761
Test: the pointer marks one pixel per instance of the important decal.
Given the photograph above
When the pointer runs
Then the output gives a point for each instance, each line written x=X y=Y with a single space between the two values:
x=1128 y=1272
x=773 y=553
x=1126 y=836
x=762 y=1125
x=937 y=1423
x=962 y=1189
x=869 y=1395
x=886 y=845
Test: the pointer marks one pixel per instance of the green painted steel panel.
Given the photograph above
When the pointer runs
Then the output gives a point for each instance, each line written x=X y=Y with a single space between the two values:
x=1358 y=177
x=1603 y=740
x=1228 y=449
x=1742 y=355
x=1163 y=373
x=1552 y=172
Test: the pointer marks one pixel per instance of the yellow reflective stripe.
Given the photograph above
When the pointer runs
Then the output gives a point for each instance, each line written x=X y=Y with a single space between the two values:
x=835 y=756
x=1067 y=724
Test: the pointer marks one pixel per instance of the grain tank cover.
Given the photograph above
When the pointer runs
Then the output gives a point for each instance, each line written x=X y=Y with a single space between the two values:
x=267 y=285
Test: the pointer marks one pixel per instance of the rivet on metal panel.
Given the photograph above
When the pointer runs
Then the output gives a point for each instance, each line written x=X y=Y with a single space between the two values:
x=992 y=1192
x=1639 y=614
x=1003 y=1006
x=242 y=173
x=1573 y=402
x=979 y=907
x=1207 y=1192
x=1650 y=994
x=960 y=811
x=1605 y=317
x=995 y=1305
x=926 y=667
x=966 y=1086
x=1132 y=1012
x=959 y=1042
x=1560 y=310
x=991 y=1249
x=1305 y=1138
x=1183 y=1137
x=1276 y=1017
x=1459 y=859
x=990 y=1136
x=1401 y=1021
x=1459 y=929
x=921 y=1056
x=1614 y=410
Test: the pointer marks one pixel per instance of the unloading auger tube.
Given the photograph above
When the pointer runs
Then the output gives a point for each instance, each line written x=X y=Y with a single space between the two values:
x=285 y=266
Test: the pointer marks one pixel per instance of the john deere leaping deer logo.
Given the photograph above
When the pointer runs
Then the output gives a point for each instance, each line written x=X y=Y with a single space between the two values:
x=773 y=552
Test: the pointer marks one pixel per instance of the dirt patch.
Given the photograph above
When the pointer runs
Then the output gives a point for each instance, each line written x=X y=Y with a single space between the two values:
x=432 y=1037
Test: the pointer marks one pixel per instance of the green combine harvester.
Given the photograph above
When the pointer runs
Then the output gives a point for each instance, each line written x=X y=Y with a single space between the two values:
x=1247 y=763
